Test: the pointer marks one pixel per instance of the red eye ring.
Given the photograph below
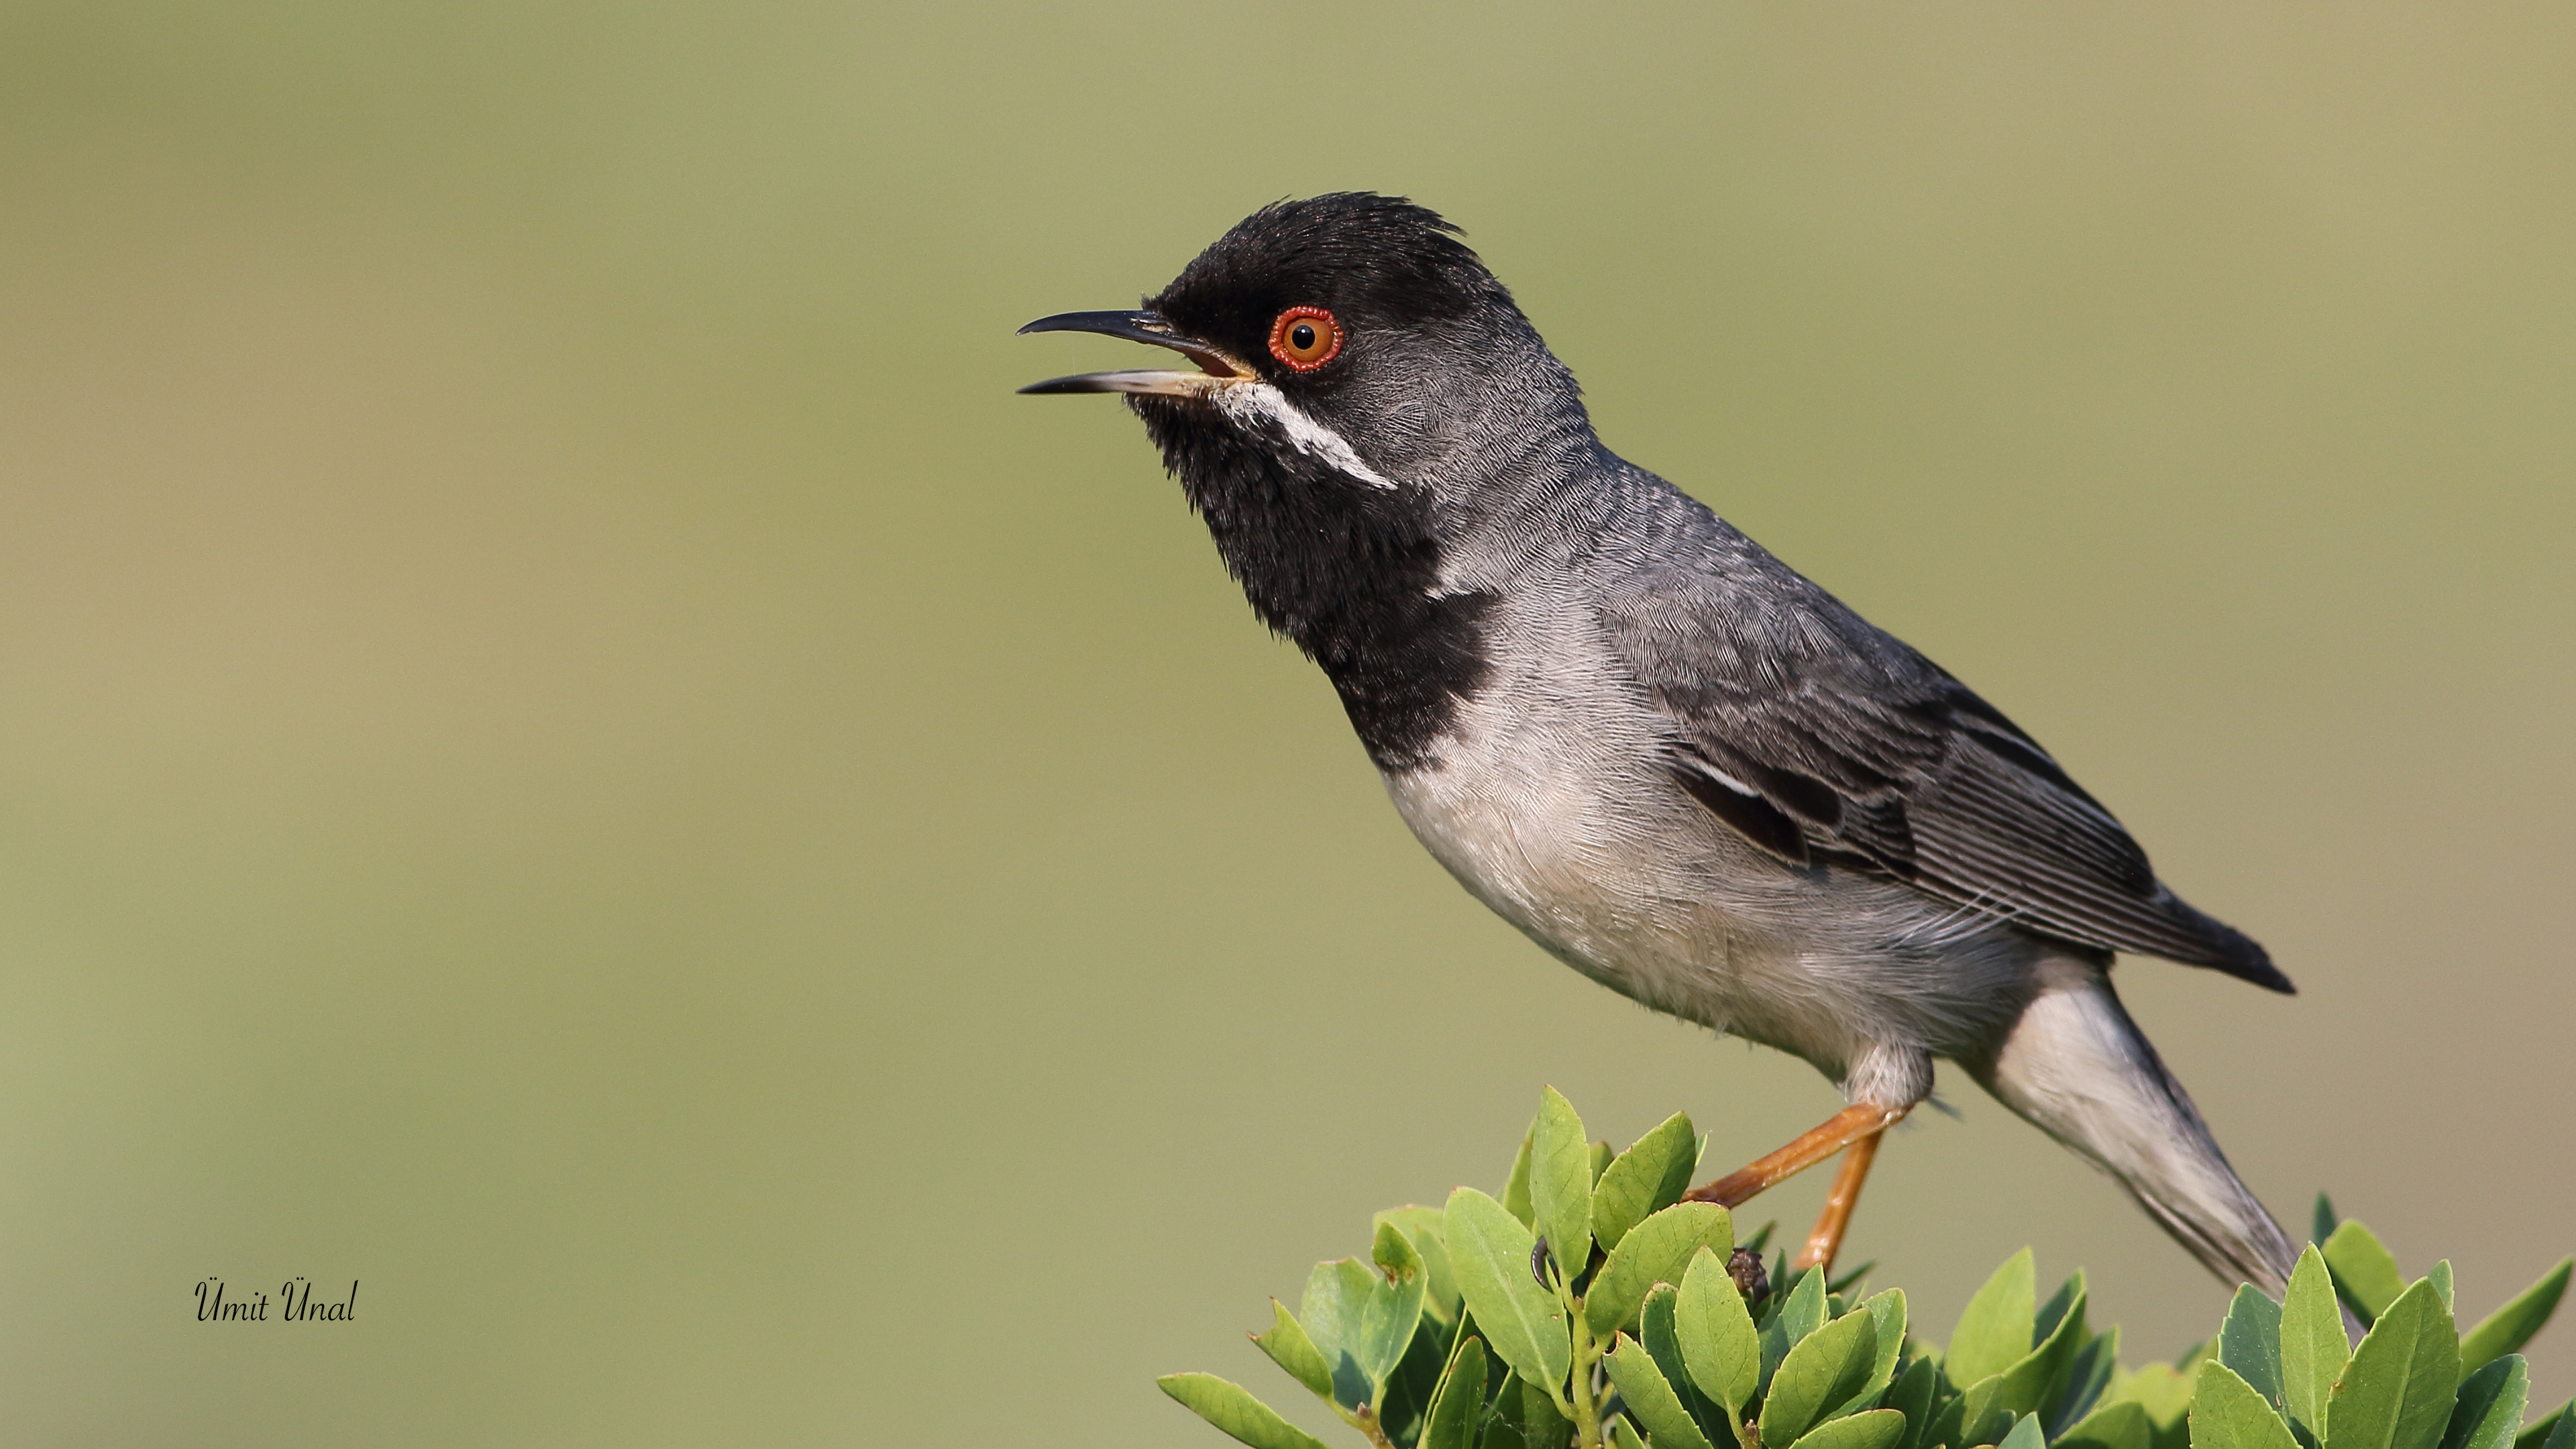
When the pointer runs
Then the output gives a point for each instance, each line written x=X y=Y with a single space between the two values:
x=1305 y=338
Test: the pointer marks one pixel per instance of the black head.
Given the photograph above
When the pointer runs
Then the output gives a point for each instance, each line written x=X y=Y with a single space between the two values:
x=1372 y=421
x=1377 y=285
x=1366 y=314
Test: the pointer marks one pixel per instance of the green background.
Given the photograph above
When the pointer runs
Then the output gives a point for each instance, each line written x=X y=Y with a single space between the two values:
x=570 y=752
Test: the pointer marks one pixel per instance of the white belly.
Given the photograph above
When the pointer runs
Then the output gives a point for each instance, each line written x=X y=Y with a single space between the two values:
x=1577 y=837
x=1563 y=834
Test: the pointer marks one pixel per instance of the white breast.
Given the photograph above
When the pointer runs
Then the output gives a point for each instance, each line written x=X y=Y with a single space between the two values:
x=1551 y=803
x=1545 y=805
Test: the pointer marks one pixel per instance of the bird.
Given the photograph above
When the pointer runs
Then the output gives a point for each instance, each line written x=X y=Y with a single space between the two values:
x=1667 y=757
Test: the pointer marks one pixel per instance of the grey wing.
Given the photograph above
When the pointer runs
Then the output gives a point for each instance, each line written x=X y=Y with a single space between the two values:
x=1826 y=741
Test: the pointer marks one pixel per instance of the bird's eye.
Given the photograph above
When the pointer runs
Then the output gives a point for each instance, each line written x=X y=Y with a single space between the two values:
x=1305 y=338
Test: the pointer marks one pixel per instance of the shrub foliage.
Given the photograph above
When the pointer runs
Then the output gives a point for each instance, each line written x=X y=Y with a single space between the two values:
x=1588 y=1306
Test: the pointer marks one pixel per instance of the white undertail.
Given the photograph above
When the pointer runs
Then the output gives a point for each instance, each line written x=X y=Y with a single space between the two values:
x=2076 y=1067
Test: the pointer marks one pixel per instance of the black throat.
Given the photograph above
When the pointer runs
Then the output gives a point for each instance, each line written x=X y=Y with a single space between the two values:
x=1347 y=570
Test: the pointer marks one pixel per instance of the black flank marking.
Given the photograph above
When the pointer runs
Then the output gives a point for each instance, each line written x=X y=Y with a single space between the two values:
x=1810 y=797
x=1758 y=819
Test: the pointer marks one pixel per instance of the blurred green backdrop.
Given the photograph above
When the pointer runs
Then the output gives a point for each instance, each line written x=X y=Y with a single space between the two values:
x=570 y=752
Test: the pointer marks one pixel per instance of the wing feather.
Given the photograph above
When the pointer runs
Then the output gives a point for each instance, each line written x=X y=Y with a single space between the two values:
x=1828 y=742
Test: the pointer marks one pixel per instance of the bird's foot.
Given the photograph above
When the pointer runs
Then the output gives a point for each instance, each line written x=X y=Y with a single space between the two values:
x=1856 y=1127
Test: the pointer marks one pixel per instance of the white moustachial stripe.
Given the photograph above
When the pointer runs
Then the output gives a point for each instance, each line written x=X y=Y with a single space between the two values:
x=1245 y=401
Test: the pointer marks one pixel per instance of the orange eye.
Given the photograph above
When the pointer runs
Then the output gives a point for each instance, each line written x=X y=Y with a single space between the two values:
x=1305 y=338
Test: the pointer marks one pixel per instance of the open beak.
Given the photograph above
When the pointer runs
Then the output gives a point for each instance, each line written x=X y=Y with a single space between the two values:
x=1219 y=369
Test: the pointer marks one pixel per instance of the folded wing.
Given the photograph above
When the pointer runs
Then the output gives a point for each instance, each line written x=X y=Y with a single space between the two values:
x=1828 y=742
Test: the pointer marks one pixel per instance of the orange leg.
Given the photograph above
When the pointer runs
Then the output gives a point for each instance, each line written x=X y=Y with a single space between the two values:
x=1827 y=1239
x=1850 y=1125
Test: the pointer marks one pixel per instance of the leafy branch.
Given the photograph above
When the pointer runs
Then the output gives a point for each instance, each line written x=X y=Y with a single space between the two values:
x=1589 y=1307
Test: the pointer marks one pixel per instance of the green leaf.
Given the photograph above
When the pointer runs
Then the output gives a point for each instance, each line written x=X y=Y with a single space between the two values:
x=2164 y=1392
x=1237 y=1412
x=1651 y=1175
x=1658 y=1250
x=2088 y=1374
x=2490 y=1406
x=1334 y=1310
x=1792 y=1317
x=2160 y=1389
x=1516 y=1188
x=1651 y=1397
x=1523 y=1323
x=1458 y=1405
x=2025 y=1434
x=2508 y=1328
x=2396 y=1393
x=1720 y=1347
x=1391 y=1248
x=1876 y=1429
x=1504 y=1428
x=2365 y=1275
x=1405 y=1402
x=2025 y=1385
x=2321 y=1220
x=1663 y=1343
x=2554 y=1431
x=1996 y=1330
x=1359 y=1317
x=2069 y=1298
x=1911 y=1394
x=1974 y=1417
x=1887 y=1318
x=1290 y=1348
x=2313 y=1346
x=2441 y=1276
x=1826 y=1368
x=1560 y=1180
x=1394 y=1305
x=2123 y=1425
x=1541 y=1420
x=1949 y=1419
x=1425 y=1227
x=2227 y=1413
x=1601 y=1155
x=1623 y=1435
x=2250 y=1342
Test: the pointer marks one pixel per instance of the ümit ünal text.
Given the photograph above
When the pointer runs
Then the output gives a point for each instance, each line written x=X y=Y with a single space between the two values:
x=295 y=1304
